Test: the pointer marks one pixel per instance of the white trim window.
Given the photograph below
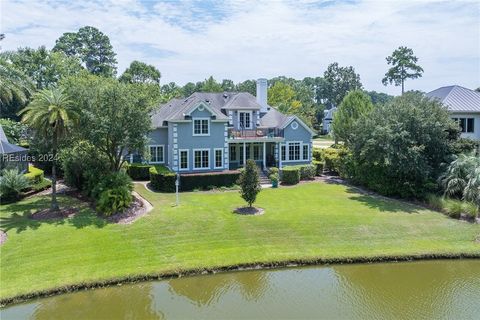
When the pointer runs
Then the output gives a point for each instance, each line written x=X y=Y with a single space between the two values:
x=157 y=153
x=201 y=126
x=245 y=120
x=294 y=151
x=233 y=152
x=184 y=165
x=306 y=152
x=218 y=158
x=201 y=159
x=283 y=152
x=467 y=125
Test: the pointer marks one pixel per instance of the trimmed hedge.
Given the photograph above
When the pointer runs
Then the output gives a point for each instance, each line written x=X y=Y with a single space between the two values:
x=317 y=154
x=189 y=182
x=162 y=179
x=318 y=167
x=291 y=175
x=307 y=172
x=139 y=171
x=34 y=175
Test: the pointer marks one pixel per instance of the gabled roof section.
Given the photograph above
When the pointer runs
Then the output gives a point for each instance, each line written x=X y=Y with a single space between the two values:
x=273 y=119
x=242 y=100
x=457 y=98
x=7 y=147
x=300 y=122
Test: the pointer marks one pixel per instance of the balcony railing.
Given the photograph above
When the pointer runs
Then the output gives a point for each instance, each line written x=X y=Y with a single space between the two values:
x=263 y=133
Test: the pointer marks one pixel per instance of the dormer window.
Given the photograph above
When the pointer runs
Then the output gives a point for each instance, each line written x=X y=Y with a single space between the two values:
x=201 y=127
x=245 y=120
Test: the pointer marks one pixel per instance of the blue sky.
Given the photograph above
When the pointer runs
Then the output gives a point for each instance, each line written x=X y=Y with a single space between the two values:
x=238 y=40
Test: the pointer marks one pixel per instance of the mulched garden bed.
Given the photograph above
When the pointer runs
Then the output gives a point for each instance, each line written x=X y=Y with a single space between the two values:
x=136 y=209
x=48 y=214
x=249 y=211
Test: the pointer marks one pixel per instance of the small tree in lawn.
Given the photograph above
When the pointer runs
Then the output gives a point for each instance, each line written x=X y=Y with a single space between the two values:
x=250 y=182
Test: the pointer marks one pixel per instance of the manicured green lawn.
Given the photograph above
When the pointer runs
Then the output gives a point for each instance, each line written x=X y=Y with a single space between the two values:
x=309 y=221
x=323 y=141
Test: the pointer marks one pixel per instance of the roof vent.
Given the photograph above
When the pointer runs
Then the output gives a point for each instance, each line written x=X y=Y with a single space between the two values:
x=207 y=101
x=225 y=95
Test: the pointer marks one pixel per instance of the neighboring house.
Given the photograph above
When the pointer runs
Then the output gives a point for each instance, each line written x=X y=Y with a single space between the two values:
x=218 y=131
x=464 y=106
x=12 y=156
x=327 y=119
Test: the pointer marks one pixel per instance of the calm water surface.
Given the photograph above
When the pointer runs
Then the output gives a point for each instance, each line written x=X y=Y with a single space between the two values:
x=413 y=290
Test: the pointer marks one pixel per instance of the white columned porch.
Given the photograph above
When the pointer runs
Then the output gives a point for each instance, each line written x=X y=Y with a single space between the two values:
x=244 y=154
x=264 y=155
x=280 y=156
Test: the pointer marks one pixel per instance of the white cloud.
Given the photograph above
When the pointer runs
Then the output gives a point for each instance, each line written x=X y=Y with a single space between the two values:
x=188 y=41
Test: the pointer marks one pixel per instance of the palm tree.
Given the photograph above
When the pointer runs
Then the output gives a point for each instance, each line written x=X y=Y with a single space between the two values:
x=462 y=178
x=50 y=115
x=14 y=84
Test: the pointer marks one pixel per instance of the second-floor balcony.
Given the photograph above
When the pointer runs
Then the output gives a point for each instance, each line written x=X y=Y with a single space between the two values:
x=259 y=133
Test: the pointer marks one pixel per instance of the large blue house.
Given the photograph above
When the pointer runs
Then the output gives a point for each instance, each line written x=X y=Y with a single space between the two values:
x=209 y=132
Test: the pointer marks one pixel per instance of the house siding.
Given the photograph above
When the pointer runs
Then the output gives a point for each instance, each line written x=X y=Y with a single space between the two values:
x=297 y=135
x=472 y=135
x=159 y=136
x=185 y=140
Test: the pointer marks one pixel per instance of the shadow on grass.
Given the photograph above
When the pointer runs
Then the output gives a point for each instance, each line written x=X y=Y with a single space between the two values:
x=20 y=219
x=381 y=203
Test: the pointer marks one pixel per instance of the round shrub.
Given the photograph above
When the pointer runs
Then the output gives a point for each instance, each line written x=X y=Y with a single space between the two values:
x=307 y=172
x=114 y=200
x=162 y=179
x=272 y=170
x=317 y=154
x=291 y=175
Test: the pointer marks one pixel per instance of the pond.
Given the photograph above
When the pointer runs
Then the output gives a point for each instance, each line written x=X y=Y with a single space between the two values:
x=424 y=289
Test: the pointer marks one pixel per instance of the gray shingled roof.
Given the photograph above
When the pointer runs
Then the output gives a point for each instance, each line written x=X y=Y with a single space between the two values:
x=274 y=119
x=457 y=98
x=7 y=147
x=176 y=108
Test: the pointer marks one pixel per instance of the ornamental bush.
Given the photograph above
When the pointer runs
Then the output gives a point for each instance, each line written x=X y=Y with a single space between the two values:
x=12 y=183
x=272 y=170
x=317 y=154
x=162 y=179
x=290 y=175
x=112 y=181
x=307 y=172
x=34 y=175
x=114 y=200
x=138 y=171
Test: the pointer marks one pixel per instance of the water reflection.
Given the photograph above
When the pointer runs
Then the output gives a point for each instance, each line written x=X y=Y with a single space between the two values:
x=204 y=290
x=433 y=289
x=411 y=290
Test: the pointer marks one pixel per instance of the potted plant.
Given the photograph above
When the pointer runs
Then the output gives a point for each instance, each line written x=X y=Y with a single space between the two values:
x=274 y=179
